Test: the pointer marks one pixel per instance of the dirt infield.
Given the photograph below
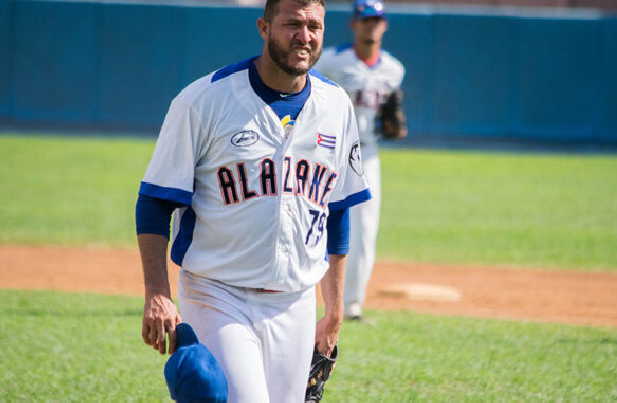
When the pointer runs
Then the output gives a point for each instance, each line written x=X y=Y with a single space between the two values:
x=523 y=294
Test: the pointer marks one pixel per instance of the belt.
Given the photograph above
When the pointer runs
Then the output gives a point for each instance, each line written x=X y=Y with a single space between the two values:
x=265 y=290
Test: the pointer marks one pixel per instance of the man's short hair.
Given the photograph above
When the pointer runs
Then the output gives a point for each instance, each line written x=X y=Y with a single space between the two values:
x=271 y=8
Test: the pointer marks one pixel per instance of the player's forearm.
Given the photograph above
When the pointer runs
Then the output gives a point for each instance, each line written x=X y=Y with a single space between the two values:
x=153 y=250
x=332 y=286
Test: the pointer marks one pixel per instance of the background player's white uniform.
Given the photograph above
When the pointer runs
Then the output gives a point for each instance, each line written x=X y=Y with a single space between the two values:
x=368 y=87
x=257 y=190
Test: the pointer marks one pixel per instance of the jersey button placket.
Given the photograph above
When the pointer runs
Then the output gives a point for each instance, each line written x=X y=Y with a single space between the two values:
x=290 y=214
x=283 y=247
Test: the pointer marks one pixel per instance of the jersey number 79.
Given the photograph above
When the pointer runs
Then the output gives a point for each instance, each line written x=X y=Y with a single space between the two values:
x=317 y=219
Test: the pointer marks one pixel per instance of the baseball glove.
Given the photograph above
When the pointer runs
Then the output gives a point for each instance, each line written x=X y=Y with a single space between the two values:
x=391 y=120
x=321 y=367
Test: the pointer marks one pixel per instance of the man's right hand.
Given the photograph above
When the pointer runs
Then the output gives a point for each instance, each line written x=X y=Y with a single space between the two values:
x=160 y=317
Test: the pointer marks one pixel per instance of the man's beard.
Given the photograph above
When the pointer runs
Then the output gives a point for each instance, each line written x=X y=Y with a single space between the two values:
x=280 y=56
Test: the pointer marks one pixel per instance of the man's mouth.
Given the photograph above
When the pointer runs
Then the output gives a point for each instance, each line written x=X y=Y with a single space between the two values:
x=302 y=52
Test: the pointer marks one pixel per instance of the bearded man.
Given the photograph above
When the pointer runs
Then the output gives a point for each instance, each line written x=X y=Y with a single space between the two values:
x=259 y=163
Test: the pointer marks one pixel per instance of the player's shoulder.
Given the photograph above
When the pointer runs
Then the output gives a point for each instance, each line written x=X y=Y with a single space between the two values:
x=340 y=50
x=392 y=63
x=213 y=85
x=329 y=96
x=333 y=59
x=337 y=52
x=323 y=85
x=223 y=76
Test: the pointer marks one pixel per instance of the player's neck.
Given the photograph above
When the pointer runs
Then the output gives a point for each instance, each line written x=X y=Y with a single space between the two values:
x=277 y=79
x=369 y=54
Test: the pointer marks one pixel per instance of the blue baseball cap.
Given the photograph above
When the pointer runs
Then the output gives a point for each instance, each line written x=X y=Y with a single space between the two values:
x=192 y=373
x=368 y=8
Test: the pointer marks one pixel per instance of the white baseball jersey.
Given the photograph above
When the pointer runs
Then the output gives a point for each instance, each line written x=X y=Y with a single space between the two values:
x=368 y=87
x=257 y=189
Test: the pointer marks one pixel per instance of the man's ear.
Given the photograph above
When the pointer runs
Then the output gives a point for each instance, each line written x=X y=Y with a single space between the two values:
x=262 y=28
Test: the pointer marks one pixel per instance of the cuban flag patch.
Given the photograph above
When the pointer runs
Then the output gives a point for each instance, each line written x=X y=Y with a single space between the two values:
x=326 y=141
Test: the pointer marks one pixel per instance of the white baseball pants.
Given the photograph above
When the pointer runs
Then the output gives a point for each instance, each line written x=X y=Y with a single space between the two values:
x=263 y=341
x=364 y=219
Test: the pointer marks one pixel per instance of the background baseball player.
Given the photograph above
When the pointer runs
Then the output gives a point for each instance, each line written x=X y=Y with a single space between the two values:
x=260 y=162
x=372 y=78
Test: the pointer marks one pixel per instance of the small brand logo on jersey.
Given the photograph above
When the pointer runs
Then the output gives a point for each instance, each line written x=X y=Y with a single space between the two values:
x=326 y=141
x=355 y=159
x=244 y=138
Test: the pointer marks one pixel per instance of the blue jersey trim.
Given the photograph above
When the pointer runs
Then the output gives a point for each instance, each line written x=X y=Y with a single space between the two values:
x=318 y=75
x=171 y=194
x=231 y=69
x=351 y=200
x=282 y=104
x=185 y=236
x=338 y=232
x=343 y=47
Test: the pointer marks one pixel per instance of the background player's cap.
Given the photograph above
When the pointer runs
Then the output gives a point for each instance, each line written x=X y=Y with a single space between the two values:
x=368 y=8
x=192 y=373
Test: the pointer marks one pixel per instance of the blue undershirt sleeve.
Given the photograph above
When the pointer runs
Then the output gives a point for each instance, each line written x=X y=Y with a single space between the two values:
x=338 y=232
x=153 y=216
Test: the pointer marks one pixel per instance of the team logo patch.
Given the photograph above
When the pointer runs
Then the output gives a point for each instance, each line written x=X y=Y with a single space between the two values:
x=326 y=141
x=287 y=121
x=288 y=124
x=355 y=159
x=244 y=138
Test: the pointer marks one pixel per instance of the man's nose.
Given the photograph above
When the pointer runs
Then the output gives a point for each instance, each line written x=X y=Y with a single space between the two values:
x=303 y=35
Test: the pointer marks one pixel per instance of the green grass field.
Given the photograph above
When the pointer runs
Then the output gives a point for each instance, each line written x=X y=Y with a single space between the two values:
x=444 y=207
x=82 y=348
x=535 y=210
x=476 y=208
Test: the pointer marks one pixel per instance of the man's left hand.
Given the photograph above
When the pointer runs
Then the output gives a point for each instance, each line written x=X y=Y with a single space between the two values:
x=326 y=336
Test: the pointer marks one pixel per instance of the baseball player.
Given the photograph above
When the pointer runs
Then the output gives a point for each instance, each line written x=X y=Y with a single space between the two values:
x=371 y=77
x=259 y=162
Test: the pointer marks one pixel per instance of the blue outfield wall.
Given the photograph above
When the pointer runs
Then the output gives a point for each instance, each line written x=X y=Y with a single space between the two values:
x=5 y=58
x=117 y=66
